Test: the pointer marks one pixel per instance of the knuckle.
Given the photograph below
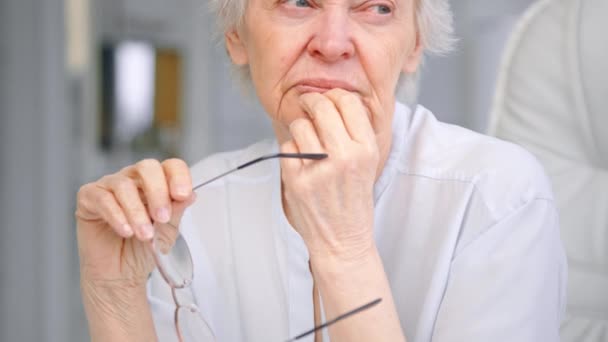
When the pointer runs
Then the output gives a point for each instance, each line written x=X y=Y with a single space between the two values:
x=83 y=192
x=84 y=198
x=363 y=155
x=369 y=151
x=351 y=163
x=107 y=179
x=174 y=162
x=340 y=157
x=123 y=184
x=340 y=162
x=146 y=164
x=104 y=198
x=125 y=170
x=139 y=215
x=155 y=189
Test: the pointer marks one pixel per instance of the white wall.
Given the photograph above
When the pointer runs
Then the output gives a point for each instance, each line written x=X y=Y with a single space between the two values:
x=459 y=87
x=37 y=250
x=217 y=115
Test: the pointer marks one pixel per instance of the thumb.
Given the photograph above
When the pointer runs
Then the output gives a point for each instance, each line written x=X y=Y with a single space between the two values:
x=166 y=233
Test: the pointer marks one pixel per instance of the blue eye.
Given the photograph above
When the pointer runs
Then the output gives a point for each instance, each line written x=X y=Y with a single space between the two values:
x=383 y=9
x=299 y=3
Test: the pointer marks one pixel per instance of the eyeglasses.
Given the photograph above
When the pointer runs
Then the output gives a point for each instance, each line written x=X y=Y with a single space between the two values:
x=174 y=262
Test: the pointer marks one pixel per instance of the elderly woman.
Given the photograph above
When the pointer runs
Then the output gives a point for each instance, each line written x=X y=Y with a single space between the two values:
x=456 y=232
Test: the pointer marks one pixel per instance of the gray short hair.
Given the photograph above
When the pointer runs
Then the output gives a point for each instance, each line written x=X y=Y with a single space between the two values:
x=434 y=20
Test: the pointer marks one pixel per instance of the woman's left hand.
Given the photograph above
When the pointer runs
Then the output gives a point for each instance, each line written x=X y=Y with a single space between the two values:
x=330 y=202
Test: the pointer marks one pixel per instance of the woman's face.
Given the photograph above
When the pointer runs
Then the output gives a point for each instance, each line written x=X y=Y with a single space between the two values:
x=298 y=46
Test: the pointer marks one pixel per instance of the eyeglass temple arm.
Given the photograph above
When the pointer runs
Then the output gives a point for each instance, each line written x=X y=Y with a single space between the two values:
x=337 y=319
x=312 y=156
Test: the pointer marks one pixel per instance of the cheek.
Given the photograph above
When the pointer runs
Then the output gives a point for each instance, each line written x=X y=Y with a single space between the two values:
x=272 y=59
x=383 y=67
x=385 y=56
x=265 y=69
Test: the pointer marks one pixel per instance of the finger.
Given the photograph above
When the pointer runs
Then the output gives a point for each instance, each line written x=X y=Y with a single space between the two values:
x=166 y=233
x=305 y=137
x=179 y=179
x=290 y=165
x=127 y=195
x=179 y=208
x=112 y=213
x=354 y=114
x=165 y=236
x=326 y=119
x=97 y=203
x=156 y=191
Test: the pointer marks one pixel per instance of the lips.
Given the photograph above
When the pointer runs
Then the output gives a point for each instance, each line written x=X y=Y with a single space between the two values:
x=319 y=85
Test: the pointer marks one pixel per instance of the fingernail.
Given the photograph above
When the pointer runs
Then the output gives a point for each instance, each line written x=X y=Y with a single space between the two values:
x=127 y=230
x=147 y=231
x=163 y=215
x=182 y=190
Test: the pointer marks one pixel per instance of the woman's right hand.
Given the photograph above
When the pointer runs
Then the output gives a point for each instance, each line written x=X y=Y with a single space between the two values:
x=115 y=217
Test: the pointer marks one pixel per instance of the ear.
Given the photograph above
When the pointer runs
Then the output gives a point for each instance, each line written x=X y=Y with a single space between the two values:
x=236 y=48
x=412 y=61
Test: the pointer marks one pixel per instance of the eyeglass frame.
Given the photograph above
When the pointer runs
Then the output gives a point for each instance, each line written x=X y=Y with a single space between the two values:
x=188 y=282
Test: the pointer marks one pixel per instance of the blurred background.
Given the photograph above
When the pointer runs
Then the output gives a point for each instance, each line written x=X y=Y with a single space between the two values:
x=89 y=86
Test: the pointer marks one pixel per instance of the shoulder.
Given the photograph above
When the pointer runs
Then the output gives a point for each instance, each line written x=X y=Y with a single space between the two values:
x=507 y=196
x=504 y=175
x=221 y=162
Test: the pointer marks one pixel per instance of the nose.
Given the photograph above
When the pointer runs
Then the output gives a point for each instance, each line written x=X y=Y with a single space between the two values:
x=333 y=38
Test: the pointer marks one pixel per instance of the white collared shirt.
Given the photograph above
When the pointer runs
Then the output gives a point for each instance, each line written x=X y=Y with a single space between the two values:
x=466 y=226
